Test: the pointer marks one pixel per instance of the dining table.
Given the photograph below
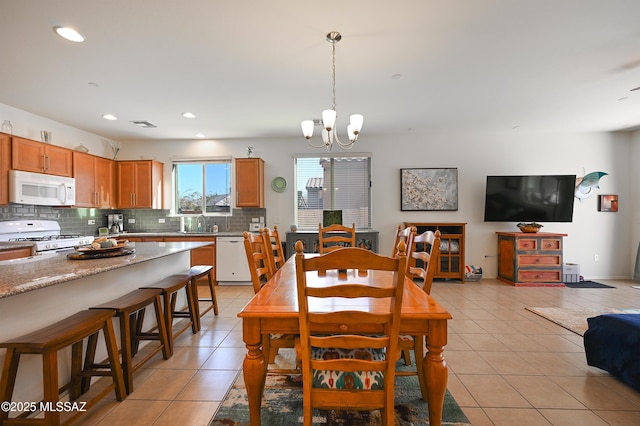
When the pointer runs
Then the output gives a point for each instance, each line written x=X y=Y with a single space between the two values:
x=274 y=310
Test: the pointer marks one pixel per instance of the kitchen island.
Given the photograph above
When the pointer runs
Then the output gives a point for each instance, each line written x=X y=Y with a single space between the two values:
x=41 y=290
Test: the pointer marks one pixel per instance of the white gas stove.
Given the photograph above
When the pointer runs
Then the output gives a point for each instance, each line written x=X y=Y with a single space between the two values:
x=45 y=234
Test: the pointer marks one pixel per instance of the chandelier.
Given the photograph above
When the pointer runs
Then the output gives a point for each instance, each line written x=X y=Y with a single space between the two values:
x=329 y=134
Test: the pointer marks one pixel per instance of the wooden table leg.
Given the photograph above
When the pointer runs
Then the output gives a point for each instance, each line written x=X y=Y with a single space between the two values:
x=253 y=368
x=435 y=370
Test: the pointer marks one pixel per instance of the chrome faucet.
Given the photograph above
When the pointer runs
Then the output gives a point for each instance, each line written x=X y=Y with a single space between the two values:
x=201 y=227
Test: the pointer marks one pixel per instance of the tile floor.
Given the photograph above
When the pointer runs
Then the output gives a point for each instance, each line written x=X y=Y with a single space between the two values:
x=507 y=365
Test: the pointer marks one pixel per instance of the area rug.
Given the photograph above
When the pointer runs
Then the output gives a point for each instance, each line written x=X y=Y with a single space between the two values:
x=576 y=319
x=282 y=406
x=587 y=284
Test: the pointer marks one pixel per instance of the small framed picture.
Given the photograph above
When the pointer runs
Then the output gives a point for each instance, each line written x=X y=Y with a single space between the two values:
x=608 y=203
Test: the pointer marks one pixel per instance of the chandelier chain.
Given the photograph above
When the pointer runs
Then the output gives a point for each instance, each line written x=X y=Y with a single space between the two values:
x=333 y=47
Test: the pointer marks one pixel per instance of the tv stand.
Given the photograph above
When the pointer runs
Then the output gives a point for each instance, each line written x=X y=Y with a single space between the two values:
x=530 y=259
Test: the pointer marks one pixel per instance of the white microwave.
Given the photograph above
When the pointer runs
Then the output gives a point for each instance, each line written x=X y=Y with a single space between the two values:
x=40 y=189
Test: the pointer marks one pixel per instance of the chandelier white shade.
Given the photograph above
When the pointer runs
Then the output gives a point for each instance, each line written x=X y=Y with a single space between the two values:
x=329 y=133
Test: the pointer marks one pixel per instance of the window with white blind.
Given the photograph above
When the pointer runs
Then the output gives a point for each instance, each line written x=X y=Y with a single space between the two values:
x=202 y=187
x=333 y=183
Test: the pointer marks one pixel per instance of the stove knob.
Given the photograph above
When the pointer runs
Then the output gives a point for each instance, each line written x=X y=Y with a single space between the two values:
x=55 y=245
x=46 y=246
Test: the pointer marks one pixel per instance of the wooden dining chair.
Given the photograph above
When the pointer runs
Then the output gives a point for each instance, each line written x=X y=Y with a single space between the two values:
x=345 y=366
x=276 y=254
x=257 y=250
x=425 y=254
x=405 y=235
x=426 y=250
x=257 y=258
x=335 y=237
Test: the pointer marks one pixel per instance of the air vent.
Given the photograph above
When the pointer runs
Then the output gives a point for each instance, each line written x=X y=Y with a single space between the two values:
x=317 y=122
x=145 y=124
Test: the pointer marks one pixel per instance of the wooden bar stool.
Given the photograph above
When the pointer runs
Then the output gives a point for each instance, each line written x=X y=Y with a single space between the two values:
x=130 y=310
x=47 y=341
x=170 y=287
x=199 y=271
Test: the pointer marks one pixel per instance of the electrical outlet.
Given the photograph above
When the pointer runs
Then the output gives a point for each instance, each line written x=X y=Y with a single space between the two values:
x=596 y=257
x=161 y=220
x=91 y=222
x=131 y=221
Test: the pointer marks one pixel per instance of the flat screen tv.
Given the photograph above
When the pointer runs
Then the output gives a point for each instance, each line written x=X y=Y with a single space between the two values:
x=539 y=198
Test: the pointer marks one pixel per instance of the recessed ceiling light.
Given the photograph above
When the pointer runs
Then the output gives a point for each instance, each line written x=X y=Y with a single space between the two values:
x=396 y=76
x=109 y=117
x=69 y=34
x=199 y=135
x=188 y=115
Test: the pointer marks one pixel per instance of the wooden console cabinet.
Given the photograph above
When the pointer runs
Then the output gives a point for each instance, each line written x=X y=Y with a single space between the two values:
x=451 y=265
x=530 y=259
x=364 y=239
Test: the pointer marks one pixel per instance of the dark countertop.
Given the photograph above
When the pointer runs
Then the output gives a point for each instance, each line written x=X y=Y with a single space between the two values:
x=179 y=234
x=28 y=274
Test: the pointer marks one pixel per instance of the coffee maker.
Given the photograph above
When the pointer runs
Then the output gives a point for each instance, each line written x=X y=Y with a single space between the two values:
x=115 y=222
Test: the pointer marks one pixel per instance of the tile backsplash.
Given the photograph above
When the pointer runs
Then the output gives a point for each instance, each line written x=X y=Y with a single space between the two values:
x=75 y=220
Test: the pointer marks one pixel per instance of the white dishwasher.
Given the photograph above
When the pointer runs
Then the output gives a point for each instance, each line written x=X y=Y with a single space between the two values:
x=231 y=261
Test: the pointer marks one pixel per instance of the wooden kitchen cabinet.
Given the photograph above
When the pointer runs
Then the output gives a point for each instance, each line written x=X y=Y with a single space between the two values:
x=5 y=165
x=250 y=182
x=95 y=181
x=528 y=259
x=33 y=156
x=139 y=184
x=452 y=241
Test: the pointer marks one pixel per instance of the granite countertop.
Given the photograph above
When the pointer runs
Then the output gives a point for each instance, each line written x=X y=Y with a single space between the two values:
x=32 y=273
x=179 y=234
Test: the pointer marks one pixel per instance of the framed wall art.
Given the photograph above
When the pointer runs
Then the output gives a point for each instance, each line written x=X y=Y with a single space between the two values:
x=428 y=189
x=608 y=203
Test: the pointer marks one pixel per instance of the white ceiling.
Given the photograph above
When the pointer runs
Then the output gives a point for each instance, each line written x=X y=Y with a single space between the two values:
x=256 y=68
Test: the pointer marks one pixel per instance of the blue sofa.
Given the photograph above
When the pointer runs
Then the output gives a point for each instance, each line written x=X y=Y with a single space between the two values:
x=612 y=343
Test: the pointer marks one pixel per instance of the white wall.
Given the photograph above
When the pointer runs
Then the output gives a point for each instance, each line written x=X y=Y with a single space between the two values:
x=613 y=236
x=29 y=126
